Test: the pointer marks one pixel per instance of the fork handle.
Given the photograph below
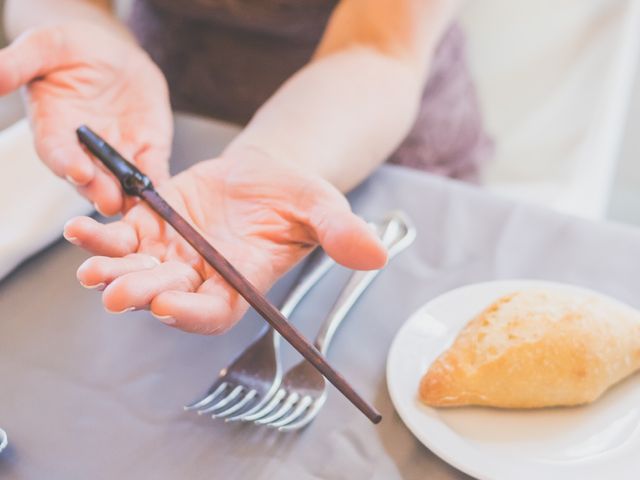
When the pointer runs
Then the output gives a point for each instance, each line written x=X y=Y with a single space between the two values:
x=396 y=234
x=315 y=268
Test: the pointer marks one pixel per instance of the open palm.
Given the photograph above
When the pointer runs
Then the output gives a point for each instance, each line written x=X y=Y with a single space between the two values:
x=80 y=73
x=264 y=217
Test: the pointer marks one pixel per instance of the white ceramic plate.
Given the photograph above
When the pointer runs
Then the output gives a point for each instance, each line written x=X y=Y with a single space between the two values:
x=597 y=441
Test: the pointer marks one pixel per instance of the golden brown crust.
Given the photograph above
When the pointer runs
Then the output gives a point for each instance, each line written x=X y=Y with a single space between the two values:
x=536 y=349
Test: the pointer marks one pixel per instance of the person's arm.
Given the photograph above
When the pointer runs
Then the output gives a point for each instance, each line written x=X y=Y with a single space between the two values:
x=267 y=202
x=350 y=107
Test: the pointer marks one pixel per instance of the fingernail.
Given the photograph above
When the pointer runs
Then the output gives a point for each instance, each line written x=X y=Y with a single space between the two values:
x=95 y=205
x=166 y=319
x=70 y=239
x=100 y=286
x=128 y=309
x=73 y=181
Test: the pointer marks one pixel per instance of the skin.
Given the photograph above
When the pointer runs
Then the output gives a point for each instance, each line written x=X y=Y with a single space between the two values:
x=263 y=222
x=274 y=193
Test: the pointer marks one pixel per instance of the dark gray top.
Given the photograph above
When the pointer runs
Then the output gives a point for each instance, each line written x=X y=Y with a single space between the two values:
x=225 y=58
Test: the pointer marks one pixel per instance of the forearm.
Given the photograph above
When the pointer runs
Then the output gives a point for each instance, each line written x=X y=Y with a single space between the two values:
x=348 y=109
x=22 y=15
x=339 y=117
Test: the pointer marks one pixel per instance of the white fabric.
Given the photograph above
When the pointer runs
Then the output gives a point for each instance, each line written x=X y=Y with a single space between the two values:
x=34 y=204
x=554 y=80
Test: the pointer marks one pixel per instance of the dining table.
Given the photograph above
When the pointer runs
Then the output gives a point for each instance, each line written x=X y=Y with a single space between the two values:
x=85 y=394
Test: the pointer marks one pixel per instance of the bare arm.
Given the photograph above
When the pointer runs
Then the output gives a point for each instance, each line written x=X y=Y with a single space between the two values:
x=338 y=118
x=349 y=108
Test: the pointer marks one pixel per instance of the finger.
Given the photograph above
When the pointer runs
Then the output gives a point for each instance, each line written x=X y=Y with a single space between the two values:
x=30 y=56
x=154 y=161
x=137 y=289
x=347 y=238
x=105 y=194
x=115 y=239
x=35 y=54
x=57 y=146
x=194 y=312
x=98 y=272
x=65 y=158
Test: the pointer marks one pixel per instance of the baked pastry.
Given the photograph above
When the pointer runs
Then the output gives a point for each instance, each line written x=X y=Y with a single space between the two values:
x=537 y=348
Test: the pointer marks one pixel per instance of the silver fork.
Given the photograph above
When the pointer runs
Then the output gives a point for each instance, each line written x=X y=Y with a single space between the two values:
x=248 y=382
x=304 y=390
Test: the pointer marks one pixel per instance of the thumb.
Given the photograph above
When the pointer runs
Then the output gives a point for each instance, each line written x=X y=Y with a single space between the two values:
x=31 y=55
x=347 y=238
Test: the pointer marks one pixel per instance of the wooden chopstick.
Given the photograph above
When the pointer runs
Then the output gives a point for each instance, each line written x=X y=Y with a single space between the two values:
x=134 y=182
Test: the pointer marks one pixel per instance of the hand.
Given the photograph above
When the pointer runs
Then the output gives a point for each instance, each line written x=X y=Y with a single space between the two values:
x=85 y=74
x=262 y=216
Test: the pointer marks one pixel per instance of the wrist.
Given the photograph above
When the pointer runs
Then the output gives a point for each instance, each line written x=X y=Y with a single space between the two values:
x=262 y=156
x=19 y=17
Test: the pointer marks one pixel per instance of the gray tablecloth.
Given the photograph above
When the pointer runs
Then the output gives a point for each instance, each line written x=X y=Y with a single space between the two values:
x=85 y=394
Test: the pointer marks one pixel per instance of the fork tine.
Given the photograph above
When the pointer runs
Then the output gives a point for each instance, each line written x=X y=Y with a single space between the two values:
x=312 y=412
x=299 y=409
x=208 y=398
x=261 y=409
x=254 y=411
x=252 y=406
x=222 y=403
x=286 y=406
x=236 y=406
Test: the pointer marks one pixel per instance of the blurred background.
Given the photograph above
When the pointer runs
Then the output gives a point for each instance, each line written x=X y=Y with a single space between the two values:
x=561 y=94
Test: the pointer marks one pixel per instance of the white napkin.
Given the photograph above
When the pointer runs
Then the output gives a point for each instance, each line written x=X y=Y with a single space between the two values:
x=34 y=203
